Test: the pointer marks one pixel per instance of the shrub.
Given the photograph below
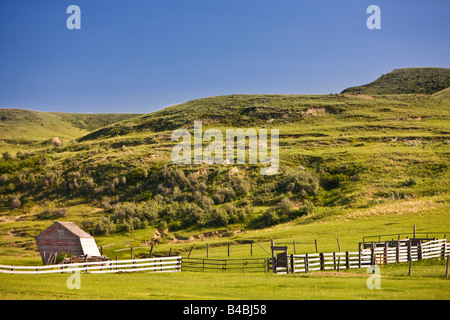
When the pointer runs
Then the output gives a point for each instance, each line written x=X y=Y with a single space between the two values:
x=300 y=182
x=219 y=216
x=104 y=227
x=284 y=207
x=307 y=208
x=7 y=156
x=14 y=202
x=409 y=182
x=4 y=178
x=270 y=217
x=53 y=213
x=222 y=195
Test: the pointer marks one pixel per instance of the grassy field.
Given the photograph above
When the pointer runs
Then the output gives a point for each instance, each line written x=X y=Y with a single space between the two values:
x=426 y=282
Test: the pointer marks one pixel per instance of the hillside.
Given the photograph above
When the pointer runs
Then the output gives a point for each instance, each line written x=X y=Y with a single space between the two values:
x=339 y=154
x=26 y=128
x=443 y=94
x=406 y=81
x=342 y=156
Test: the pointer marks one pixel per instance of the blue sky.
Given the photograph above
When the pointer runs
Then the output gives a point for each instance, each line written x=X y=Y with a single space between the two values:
x=142 y=55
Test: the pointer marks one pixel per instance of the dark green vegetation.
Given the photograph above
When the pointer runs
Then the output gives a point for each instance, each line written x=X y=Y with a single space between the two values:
x=340 y=154
x=406 y=81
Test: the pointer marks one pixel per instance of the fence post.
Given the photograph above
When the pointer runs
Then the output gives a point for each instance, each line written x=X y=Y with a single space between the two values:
x=251 y=248
x=315 y=242
x=228 y=249
x=446 y=270
x=322 y=261
x=359 y=254
x=347 y=257
x=409 y=250
x=334 y=260
x=207 y=250
x=386 y=252
x=444 y=248
x=372 y=257
x=306 y=263
x=339 y=245
x=419 y=250
x=292 y=264
x=410 y=267
x=397 y=253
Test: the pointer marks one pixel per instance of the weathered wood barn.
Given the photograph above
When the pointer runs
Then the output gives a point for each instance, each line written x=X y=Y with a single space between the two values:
x=65 y=237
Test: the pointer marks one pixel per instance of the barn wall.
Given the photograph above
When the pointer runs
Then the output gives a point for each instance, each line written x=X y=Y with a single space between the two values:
x=89 y=247
x=57 y=239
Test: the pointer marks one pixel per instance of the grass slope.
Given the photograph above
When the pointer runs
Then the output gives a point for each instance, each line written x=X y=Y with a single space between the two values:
x=406 y=81
x=443 y=94
x=29 y=128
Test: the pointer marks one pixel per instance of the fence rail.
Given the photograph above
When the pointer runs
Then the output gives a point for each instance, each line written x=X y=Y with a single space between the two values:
x=164 y=264
x=224 y=265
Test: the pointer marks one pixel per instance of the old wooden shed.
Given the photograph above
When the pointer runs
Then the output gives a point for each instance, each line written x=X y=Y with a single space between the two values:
x=65 y=237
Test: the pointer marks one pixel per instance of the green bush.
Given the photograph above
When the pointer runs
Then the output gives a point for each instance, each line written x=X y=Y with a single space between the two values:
x=53 y=213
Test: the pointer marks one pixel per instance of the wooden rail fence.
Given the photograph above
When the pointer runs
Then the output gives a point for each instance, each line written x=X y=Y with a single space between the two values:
x=164 y=264
x=224 y=265
x=380 y=253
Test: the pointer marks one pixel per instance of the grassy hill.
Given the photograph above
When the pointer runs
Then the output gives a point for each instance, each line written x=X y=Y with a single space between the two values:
x=27 y=129
x=342 y=156
x=406 y=81
x=443 y=94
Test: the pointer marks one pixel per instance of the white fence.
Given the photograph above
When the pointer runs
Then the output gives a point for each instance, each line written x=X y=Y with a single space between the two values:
x=164 y=264
x=381 y=254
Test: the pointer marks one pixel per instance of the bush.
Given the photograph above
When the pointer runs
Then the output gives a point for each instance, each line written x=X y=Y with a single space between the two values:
x=219 y=216
x=284 y=207
x=104 y=227
x=3 y=179
x=7 y=156
x=270 y=217
x=307 y=208
x=14 y=202
x=300 y=182
x=223 y=195
x=409 y=182
x=53 y=213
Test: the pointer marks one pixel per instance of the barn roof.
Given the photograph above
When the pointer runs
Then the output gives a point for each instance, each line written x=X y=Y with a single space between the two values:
x=72 y=228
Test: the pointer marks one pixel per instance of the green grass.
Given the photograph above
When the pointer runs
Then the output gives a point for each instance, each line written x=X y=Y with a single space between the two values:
x=26 y=130
x=426 y=282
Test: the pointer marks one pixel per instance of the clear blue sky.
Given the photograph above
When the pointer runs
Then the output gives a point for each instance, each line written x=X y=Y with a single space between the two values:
x=142 y=55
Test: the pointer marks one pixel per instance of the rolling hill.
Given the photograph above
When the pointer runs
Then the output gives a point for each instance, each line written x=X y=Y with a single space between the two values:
x=24 y=128
x=406 y=81
x=443 y=94
x=341 y=155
